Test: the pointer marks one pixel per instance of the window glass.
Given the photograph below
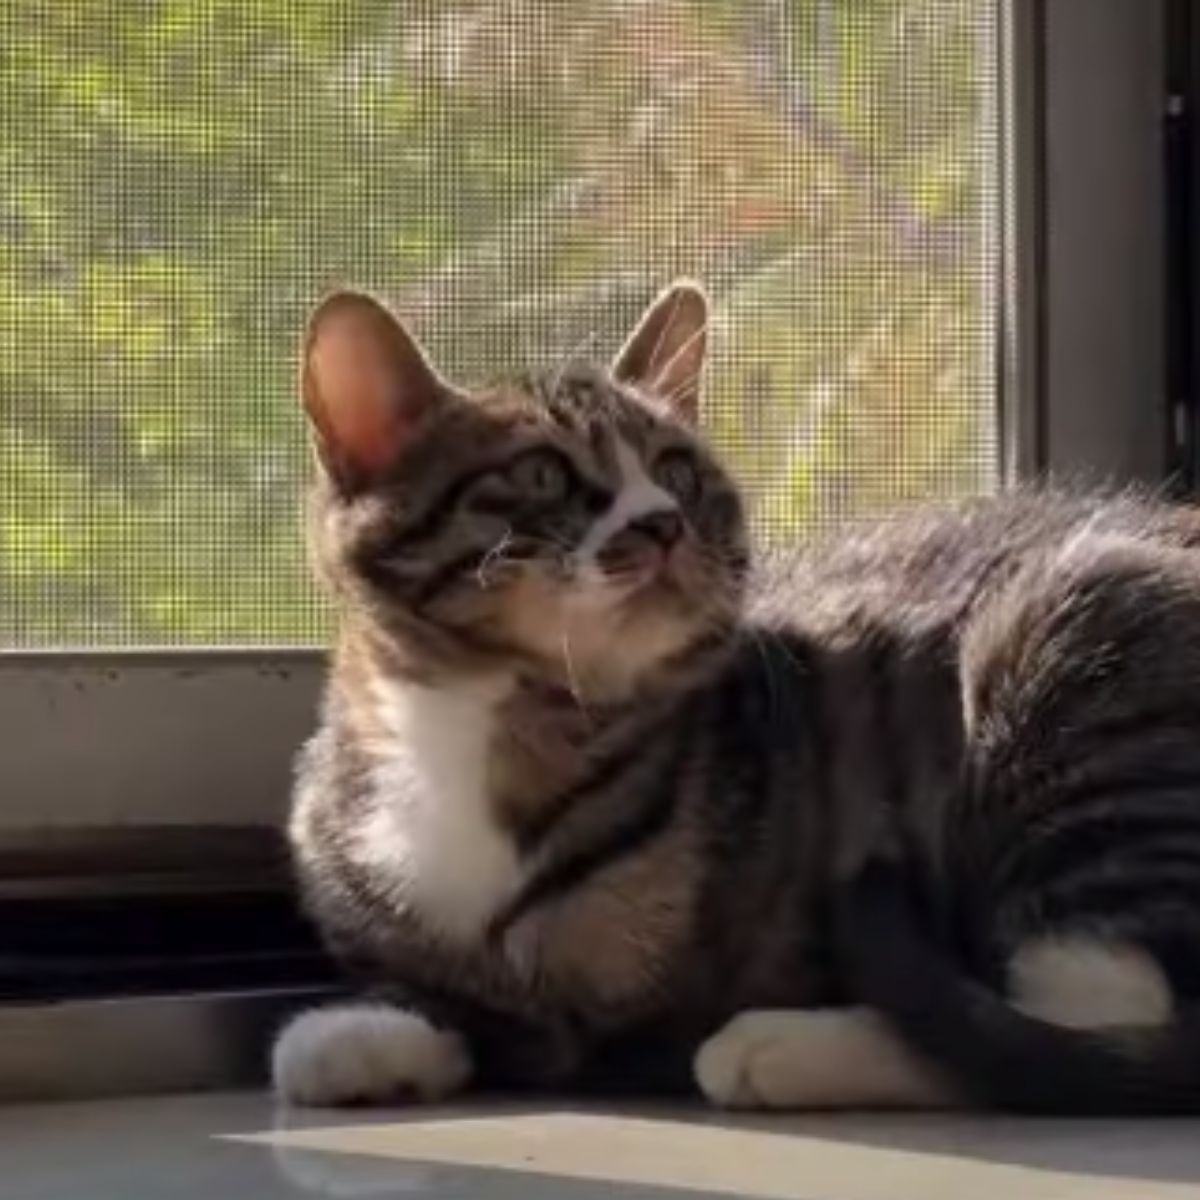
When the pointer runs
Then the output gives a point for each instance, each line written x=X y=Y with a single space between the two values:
x=180 y=179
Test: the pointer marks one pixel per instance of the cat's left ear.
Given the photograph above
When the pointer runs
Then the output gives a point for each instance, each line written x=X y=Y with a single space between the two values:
x=665 y=354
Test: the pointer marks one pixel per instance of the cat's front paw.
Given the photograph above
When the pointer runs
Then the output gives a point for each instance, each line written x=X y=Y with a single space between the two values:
x=727 y=1065
x=366 y=1054
x=812 y=1059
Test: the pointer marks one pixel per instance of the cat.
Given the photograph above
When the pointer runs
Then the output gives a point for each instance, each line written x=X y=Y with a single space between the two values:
x=602 y=798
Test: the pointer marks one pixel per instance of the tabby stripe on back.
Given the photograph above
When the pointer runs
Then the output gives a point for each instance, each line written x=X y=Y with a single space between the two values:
x=1106 y=899
x=1094 y=818
x=1087 y=843
x=1148 y=720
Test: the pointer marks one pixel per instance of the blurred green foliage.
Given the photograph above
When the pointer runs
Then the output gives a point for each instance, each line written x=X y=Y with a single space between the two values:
x=179 y=179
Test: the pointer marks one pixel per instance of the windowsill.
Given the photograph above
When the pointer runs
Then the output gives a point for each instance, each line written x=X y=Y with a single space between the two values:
x=136 y=1045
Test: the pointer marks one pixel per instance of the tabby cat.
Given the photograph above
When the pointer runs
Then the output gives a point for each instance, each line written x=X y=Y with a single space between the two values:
x=601 y=800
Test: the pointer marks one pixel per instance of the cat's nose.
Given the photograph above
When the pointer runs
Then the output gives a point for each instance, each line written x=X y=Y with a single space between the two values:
x=664 y=527
x=644 y=542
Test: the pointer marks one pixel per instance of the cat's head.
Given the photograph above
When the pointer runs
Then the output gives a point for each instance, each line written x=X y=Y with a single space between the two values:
x=571 y=525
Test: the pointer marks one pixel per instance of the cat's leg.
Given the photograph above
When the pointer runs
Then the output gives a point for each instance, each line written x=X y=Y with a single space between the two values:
x=367 y=1053
x=849 y=1058
x=823 y=1058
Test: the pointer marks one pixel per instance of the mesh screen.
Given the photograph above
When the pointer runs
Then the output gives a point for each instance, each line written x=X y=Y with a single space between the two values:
x=179 y=179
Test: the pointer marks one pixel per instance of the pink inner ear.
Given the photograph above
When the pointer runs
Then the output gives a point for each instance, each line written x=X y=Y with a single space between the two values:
x=358 y=411
x=665 y=354
x=366 y=387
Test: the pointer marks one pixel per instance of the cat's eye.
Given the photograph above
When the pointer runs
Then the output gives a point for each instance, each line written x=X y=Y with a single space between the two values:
x=541 y=475
x=677 y=473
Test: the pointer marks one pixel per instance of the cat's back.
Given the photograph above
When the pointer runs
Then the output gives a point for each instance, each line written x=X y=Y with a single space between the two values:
x=924 y=570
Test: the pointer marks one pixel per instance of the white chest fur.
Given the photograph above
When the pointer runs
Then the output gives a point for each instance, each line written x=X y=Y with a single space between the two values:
x=431 y=827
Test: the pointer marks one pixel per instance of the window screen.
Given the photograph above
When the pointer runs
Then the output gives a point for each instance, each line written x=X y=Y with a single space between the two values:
x=180 y=179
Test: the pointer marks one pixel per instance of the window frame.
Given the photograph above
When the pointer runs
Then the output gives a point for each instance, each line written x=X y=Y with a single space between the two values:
x=136 y=739
x=1086 y=351
x=1081 y=380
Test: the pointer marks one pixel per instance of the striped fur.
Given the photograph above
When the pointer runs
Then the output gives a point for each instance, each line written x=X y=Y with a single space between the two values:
x=583 y=801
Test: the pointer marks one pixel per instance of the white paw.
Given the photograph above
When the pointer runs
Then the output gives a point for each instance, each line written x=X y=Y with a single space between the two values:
x=723 y=1065
x=818 y=1058
x=366 y=1053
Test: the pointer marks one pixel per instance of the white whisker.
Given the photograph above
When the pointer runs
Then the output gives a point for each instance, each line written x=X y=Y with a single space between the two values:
x=494 y=557
x=572 y=679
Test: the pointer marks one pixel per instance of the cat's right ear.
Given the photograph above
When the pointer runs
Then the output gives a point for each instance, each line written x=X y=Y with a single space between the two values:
x=367 y=387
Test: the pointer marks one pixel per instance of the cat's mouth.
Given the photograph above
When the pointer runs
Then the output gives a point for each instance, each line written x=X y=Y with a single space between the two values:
x=632 y=563
x=636 y=579
x=634 y=573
